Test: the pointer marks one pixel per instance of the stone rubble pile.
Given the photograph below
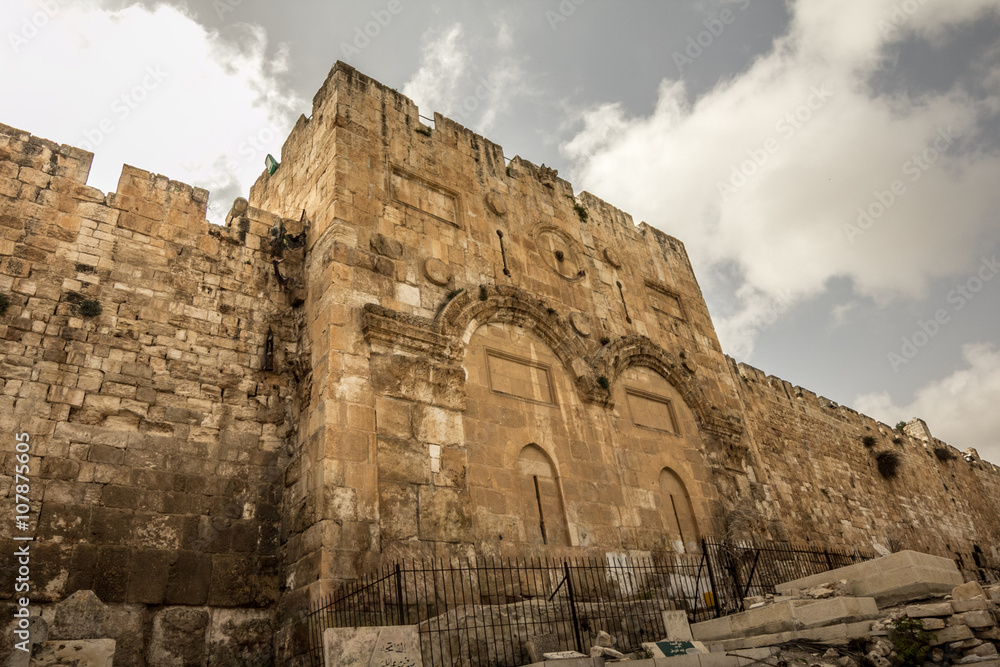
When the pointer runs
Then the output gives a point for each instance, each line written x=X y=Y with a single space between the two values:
x=962 y=628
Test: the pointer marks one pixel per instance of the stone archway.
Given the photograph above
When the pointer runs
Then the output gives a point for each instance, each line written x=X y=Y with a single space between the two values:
x=540 y=498
x=677 y=510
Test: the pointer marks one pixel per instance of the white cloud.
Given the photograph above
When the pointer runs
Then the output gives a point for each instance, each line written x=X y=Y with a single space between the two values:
x=769 y=169
x=151 y=88
x=434 y=87
x=959 y=409
x=447 y=82
x=840 y=312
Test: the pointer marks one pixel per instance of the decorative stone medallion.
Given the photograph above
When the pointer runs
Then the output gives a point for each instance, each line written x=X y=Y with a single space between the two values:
x=559 y=251
x=437 y=271
x=495 y=203
x=689 y=361
x=580 y=323
x=612 y=258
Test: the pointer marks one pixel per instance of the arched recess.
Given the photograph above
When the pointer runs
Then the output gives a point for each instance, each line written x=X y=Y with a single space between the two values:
x=628 y=351
x=677 y=511
x=542 y=512
x=463 y=315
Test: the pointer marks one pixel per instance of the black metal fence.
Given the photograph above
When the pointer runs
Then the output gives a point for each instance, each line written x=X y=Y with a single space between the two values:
x=483 y=612
x=743 y=569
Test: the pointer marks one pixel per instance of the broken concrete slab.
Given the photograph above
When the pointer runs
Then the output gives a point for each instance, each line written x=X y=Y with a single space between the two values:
x=839 y=635
x=894 y=579
x=938 y=609
x=369 y=647
x=787 y=617
x=677 y=626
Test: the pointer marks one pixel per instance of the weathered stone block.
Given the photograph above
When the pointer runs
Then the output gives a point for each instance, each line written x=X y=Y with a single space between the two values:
x=148 y=574
x=968 y=605
x=898 y=577
x=968 y=591
x=928 y=610
x=979 y=619
x=445 y=514
x=951 y=634
x=189 y=578
x=369 y=647
x=111 y=577
x=179 y=637
x=677 y=626
x=89 y=652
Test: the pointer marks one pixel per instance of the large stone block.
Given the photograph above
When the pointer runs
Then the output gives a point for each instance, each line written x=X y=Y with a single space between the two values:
x=892 y=579
x=677 y=626
x=372 y=647
x=790 y=615
x=445 y=514
x=179 y=637
x=929 y=610
x=968 y=591
x=76 y=652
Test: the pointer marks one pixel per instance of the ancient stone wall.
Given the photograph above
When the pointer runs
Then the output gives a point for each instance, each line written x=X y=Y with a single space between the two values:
x=463 y=358
x=820 y=477
x=462 y=309
x=132 y=353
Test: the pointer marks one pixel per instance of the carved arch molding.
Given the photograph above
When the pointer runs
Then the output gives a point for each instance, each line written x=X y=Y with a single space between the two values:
x=445 y=337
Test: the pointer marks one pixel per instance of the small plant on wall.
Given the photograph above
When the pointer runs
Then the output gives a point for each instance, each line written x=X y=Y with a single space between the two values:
x=4 y=304
x=888 y=463
x=945 y=453
x=868 y=441
x=89 y=308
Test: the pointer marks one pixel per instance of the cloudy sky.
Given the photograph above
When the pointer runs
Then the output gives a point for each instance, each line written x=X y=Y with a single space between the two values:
x=832 y=166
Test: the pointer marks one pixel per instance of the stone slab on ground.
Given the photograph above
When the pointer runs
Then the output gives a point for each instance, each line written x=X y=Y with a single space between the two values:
x=538 y=645
x=786 y=616
x=839 y=634
x=929 y=610
x=893 y=579
x=397 y=645
x=78 y=652
x=678 y=628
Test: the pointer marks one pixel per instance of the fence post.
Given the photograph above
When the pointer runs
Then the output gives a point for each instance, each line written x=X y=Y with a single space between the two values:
x=711 y=578
x=572 y=608
x=399 y=594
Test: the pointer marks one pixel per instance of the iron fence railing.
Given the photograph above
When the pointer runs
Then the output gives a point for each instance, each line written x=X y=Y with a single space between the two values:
x=483 y=611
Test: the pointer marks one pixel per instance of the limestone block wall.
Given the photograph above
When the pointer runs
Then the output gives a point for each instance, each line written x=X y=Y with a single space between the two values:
x=466 y=358
x=478 y=332
x=156 y=436
x=445 y=287
x=820 y=477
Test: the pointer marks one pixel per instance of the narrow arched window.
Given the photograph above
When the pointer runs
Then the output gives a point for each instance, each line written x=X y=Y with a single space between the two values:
x=677 y=511
x=541 y=500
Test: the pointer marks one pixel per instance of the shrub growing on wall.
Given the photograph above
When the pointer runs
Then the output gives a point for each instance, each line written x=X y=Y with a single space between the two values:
x=888 y=463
